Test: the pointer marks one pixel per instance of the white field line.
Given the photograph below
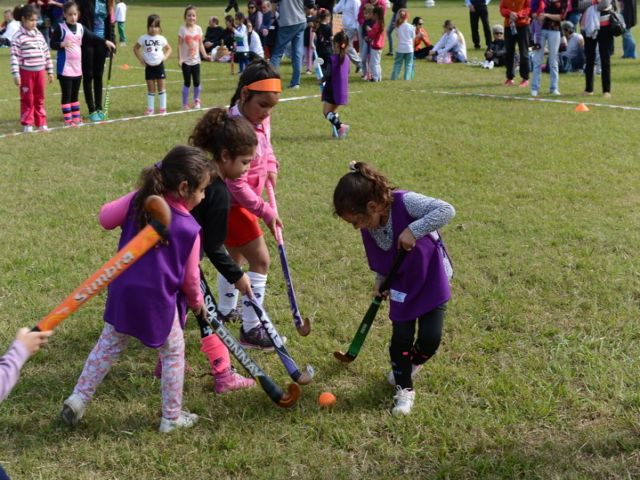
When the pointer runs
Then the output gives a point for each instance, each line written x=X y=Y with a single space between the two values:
x=142 y=117
x=536 y=99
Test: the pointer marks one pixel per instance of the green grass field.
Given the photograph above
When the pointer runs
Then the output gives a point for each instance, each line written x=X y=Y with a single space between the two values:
x=537 y=373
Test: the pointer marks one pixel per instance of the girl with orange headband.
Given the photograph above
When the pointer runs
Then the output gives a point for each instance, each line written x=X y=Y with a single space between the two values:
x=257 y=93
x=335 y=90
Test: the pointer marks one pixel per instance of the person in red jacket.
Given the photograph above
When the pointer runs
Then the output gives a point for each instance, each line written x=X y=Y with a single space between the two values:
x=516 y=15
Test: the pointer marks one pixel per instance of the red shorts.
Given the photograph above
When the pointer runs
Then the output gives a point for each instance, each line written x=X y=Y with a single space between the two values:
x=242 y=227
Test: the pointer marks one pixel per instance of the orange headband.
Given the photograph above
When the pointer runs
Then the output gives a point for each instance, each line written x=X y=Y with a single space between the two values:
x=267 y=85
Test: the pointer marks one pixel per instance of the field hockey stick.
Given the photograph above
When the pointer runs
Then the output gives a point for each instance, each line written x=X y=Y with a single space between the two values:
x=210 y=324
x=107 y=95
x=367 y=321
x=127 y=256
x=303 y=326
x=303 y=378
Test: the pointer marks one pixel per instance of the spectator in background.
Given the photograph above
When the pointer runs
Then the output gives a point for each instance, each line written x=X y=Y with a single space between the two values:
x=496 y=52
x=11 y=26
x=478 y=11
x=214 y=36
x=349 y=10
x=266 y=28
x=421 y=43
x=451 y=46
x=597 y=35
x=291 y=24
x=516 y=15
x=396 y=6
x=254 y=14
x=628 y=8
x=553 y=13
x=572 y=59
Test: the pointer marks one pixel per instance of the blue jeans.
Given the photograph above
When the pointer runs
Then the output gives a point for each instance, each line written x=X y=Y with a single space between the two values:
x=392 y=25
x=295 y=35
x=628 y=44
x=552 y=38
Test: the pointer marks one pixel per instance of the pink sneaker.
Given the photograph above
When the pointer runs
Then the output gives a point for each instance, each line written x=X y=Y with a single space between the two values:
x=148 y=111
x=508 y=83
x=230 y=381
x=524 y=83
x=196 y=104
x=163 y=111
x=343 y=130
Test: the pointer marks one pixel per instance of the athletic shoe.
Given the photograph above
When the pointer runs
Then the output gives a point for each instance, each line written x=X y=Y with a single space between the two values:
x=231 y=317
x=27 y=128
x=230 y=381
x=508 y=83
x=256 y=338
x=163 y=111
x=343 y=130
x=186 y=106
x=334 y=131
x=555 y=92
x=534 y=93
x=414 y=371
x=490 y=64
x=606 y=94
x=389 y=54
x=73 y=410
x=148 y=111
x=69 y=124
x=309 y=72
x=95 y=116
x=196 y=104
x=43 y=128
x=403 y=401
x=78 y=123
x=524 y=83
x=102 y=115
x=185 y=420
x=293 y=87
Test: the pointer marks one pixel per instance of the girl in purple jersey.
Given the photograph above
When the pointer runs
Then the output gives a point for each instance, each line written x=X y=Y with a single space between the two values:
x=335 y=90
x=390 y=220
x=149 y=300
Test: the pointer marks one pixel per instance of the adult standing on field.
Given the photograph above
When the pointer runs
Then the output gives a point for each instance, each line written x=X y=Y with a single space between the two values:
x=596 y=29
x=628 y=8
x=396 y=6
x=553 y=14
x=478 y=11
x=516 y=26
x=291 y=25
x=97 y=17
x=349 y=10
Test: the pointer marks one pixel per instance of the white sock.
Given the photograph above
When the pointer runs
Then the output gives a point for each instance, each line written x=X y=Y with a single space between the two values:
x=151 y=100
x=162 y=97
x=258 y=285
x=227 y=295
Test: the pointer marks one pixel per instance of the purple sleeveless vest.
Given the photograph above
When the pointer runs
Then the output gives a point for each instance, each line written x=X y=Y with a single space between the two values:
x=340 y=79
x=143 y=300
x=421 y=283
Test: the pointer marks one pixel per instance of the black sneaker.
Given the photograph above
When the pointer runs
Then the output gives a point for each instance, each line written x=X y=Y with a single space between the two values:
x=231 y=317
x=256 y=338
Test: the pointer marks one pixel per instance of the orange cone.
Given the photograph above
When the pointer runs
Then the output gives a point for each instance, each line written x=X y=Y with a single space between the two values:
x=124 y=66
x=582 y=108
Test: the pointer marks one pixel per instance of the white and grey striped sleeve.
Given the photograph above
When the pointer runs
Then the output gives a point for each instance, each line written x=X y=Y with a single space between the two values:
x=430 y=213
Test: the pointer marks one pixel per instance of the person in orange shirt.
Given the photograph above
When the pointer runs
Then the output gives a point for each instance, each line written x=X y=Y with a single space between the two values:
x=516 y=15
x=421 y=43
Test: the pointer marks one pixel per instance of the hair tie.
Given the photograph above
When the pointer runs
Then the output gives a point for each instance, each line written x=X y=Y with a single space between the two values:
x=158 y=165
x=352 y=166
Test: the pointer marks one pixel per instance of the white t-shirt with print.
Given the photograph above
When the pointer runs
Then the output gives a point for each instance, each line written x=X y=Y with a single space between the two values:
x=152 y=49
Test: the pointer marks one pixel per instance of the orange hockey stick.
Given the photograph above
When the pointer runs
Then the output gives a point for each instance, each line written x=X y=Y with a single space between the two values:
x=127 y=256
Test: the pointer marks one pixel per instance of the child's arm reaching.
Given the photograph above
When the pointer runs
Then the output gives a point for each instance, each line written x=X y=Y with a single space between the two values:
x=430 y=213
x=26 y=344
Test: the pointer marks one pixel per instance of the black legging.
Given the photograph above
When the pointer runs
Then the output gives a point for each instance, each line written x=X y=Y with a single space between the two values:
x=404 y=352
x=604 y=42
x=522 y=39
x=189 y=71
x=93 y=59
x=69 y=86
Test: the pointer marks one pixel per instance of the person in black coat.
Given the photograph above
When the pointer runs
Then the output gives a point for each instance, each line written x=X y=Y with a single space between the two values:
x=628 y=8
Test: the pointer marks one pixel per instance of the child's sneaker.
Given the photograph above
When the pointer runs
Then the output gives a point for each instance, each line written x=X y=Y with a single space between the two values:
x=186 y=106
x=414 y=371
x=95 y=116
x=524 y=83
x=27 y=128
x=73 y=410
x=231 y=317
x=403 y=401
x=230 y=381
x=163 y=111
x=149 y=111
x=334 y=131
x=256 y=338
x=196 y=104
x=43 y=128
x=343 y=130
x=185 y=420
x=69 y=124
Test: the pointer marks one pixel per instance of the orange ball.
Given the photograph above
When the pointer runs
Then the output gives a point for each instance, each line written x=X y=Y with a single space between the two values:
x=326 y=399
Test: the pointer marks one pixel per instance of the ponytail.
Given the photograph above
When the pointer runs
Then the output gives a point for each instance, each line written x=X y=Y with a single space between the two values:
x=360 y=186
x=403 y=15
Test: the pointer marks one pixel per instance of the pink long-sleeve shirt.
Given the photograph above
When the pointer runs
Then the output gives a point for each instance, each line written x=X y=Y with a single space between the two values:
x=246 y=191
x=10 y=365
x=113 y=215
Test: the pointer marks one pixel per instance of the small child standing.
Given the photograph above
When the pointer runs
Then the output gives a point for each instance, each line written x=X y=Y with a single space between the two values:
x=190 y=51
x=241 y=41
x=149 y=301
x=30 y=58
x=155 y=51
x=335 y=90
x=255 y=44
x=365 y=46
x=67 y=39
x=390 y=220
x=375 y=38
x=323 y=34
x=121 y=18
x=308 y=38
x=404 y=52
